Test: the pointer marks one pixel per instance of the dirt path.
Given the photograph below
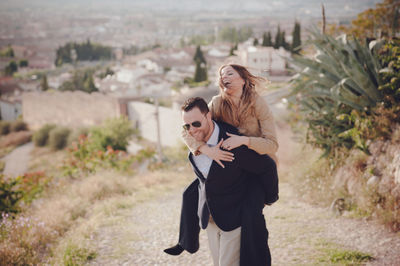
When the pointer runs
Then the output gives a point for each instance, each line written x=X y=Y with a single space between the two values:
x=16 y=163
x=299 y=234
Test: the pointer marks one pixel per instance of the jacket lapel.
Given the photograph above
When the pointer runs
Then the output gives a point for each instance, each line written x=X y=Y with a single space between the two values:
x=195 y=169
x=214 y=165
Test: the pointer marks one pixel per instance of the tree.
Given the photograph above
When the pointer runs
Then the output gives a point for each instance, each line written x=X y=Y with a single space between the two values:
x=255 y=42
x=23 y=63
x=231 y=34
x=284 y=44
x=278 y=38
x=264 y=41
x=84 y=52
x=267 y=39
x=384 y=20
x=233 y=49
x=198 y=56
x=11 y=68
x=296 y=39
x=88 y=84
x=200 y=73
x=7 y=52
x=82 y=81
x=43 y=83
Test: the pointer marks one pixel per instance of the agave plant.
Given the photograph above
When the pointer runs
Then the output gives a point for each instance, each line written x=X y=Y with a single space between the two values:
x=343 y=76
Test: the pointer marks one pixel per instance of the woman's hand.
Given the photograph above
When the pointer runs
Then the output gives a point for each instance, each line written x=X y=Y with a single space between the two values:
x=235 y=141
x=215 y=153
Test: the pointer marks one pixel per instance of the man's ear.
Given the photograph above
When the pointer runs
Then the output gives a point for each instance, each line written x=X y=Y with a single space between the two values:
x=208 y=115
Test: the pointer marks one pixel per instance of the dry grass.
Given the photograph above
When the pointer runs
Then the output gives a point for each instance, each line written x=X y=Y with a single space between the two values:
x=300 y=165
x=47 y=160
x=108 y=196
x=320 y=181
x=63 y=220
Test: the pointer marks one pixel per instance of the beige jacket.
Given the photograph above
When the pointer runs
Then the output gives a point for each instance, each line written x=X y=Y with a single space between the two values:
x=259 y=128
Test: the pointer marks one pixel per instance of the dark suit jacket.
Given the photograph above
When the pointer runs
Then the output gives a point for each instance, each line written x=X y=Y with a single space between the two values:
x=235 y=196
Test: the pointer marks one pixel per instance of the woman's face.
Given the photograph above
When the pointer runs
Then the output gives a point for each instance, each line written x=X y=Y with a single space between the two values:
x=232 y=81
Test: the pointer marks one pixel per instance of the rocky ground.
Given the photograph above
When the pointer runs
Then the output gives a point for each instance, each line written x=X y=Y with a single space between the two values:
x=300 y=234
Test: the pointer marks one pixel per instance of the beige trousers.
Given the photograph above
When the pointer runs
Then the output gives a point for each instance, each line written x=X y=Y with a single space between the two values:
x=224 y=246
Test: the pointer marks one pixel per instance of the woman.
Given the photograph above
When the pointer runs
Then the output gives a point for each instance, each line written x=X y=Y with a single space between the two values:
x=240 y=105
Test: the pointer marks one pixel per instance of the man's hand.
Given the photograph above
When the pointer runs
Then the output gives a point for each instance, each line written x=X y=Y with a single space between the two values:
x=235 y=141
x=215 y=153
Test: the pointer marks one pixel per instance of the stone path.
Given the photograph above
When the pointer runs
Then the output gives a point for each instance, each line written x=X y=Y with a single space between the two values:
x=150 y=227
x=16 y=163
x=298 y=233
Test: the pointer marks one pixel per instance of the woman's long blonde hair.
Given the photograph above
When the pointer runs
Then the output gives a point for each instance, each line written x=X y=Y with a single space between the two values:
x=227 y=111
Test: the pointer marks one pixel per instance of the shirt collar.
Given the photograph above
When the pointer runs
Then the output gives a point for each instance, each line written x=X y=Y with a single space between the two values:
x=213 y=140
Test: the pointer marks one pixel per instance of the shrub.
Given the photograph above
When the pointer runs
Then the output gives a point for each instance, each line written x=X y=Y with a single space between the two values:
x=4 y=127
x=75 y=255
x=23 y=240
x=76 y=134
x=114 y=133
x=83 y=159
x=16 y=139
x=25 y=188
x=10 y=195
x=58 y=138
x=18 y=125
x=40 y=137
x=32 y=184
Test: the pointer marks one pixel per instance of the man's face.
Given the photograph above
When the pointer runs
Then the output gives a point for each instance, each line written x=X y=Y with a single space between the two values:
x=195 y=117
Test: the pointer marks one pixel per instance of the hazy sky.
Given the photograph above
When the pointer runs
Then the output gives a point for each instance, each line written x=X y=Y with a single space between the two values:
x=269 y=7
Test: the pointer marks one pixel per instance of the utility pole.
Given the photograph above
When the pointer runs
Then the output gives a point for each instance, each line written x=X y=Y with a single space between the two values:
x=323 y=19
x=157 y=115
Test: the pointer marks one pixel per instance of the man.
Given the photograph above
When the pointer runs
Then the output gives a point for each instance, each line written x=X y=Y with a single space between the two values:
x=229 y=200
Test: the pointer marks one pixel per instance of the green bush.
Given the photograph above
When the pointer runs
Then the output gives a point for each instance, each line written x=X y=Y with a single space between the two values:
x=75 y=255
x=4 y=127
x=10 y=195
x=18 y=125
x=40 y=137
x=76 y=134
x=58 y=138
x=21 y=188
x=114 y=133
x=83 y=159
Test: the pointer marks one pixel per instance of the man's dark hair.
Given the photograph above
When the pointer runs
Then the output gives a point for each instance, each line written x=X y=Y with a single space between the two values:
x=193 y=102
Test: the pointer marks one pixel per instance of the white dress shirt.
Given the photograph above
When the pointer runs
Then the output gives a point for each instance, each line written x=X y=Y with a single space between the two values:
x=202 y=161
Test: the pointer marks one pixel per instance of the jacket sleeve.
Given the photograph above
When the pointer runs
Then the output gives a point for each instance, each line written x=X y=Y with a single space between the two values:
x=267 y=143
x=191 y=142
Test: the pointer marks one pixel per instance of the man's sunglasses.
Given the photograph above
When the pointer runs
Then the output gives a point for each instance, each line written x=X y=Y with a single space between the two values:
x=193 y=124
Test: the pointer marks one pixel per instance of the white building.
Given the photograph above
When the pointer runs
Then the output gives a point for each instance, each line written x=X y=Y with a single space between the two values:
x=264 y=61
x=10 y=110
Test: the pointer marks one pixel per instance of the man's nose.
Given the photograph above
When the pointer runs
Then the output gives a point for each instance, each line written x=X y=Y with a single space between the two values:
x=192 y=129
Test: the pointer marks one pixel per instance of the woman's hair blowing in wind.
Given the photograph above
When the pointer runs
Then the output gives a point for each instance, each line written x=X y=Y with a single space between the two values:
x=228 y=112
